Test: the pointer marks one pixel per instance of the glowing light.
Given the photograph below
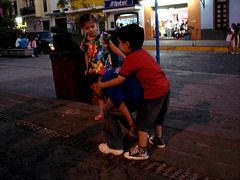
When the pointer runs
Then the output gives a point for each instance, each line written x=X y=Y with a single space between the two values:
x=19 y=20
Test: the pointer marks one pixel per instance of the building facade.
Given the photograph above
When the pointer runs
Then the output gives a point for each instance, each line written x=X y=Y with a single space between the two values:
x=217 y=17
x=32 y=14
x=208 y=19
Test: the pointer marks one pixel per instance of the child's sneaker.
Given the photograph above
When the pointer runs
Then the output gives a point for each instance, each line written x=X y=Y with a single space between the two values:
x=156 y=142
x=133 y=131
x=137 y=153
x=106 y=150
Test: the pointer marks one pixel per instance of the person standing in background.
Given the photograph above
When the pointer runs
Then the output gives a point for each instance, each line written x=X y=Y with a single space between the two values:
x=34 y=46
x=229 y=41
x=18 y=42
x=24 y=42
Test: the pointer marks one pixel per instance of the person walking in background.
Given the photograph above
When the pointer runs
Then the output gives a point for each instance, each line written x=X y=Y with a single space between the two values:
x=18 y=42
x=96 y=46
x=235 y=38
x=24 y=42
x=30 y=43
x=169 y=28
x=229 y=41
x=34 y=46
x=155 y=85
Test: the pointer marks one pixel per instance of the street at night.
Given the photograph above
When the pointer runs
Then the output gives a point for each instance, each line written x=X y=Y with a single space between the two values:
x=45 y=137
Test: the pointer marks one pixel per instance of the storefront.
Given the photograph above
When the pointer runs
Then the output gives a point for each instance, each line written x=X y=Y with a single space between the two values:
x=176 y=17
x=173 y=20
x=123 y=12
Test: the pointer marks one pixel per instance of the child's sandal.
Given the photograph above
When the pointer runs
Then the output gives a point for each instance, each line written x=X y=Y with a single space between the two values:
x=98 y=117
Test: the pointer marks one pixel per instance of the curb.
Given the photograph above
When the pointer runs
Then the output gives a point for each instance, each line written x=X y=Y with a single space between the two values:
x=184 y=48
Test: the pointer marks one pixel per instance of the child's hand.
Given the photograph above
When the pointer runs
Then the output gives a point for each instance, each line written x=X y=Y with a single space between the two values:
x=99 y=86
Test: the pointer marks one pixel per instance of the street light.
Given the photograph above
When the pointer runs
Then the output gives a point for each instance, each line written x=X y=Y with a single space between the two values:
x=157 y=33
x=19 y=20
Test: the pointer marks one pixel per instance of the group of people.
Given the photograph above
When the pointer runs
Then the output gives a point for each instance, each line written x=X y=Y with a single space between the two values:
x=138 y=86
x=232 y=39
x=172 y=29
x=23 y=42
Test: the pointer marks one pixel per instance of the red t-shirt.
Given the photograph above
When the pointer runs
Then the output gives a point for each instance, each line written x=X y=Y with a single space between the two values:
x=147 y=70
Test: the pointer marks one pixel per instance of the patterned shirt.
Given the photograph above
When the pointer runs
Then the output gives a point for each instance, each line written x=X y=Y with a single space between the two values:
x=98 y=53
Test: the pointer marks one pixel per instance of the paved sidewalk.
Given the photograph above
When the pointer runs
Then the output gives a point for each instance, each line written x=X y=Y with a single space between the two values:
x=186 y=45
x=43 y=137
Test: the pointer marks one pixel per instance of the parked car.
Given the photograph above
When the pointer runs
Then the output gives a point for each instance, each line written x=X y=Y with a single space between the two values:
x=44 y=40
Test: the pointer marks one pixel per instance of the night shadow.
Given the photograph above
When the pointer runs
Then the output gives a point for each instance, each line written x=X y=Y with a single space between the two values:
x=199 y=114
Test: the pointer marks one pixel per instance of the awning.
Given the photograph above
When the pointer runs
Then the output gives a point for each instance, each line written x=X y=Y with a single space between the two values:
x=55 y=14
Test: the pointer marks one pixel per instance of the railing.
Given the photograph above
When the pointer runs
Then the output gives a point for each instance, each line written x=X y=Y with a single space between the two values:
x=27 y=10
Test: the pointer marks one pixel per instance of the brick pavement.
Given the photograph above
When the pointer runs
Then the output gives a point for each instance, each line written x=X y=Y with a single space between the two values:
x=47 y=138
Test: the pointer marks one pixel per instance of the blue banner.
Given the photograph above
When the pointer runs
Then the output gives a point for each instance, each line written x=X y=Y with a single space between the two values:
x=118 y=3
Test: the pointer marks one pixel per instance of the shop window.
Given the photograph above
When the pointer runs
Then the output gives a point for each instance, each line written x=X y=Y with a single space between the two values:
x=221 y=14
x=15 y=7
x=29 y=3
x=125 y=19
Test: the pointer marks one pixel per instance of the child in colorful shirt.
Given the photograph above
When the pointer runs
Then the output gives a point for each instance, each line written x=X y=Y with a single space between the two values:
x=96 y=46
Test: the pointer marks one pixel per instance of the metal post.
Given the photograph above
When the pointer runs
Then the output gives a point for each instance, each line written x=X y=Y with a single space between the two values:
x=157 y=33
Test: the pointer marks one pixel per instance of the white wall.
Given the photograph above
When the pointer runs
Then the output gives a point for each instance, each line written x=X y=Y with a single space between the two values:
x=110 y=19
x=54 y=5
x=234 y=14
x=207 y=15
x=141 y=17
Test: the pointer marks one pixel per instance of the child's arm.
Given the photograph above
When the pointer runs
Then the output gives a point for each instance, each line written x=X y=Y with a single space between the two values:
x=86 y=61
x=116 y=50
x=114 y=82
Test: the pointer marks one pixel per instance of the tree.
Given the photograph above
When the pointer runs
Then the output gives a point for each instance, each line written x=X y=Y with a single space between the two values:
x=8 y=33
x=74 y=4
x=63 y=3
x=6 y=18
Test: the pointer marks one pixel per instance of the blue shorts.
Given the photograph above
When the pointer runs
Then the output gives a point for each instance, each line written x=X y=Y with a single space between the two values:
x=152 y=112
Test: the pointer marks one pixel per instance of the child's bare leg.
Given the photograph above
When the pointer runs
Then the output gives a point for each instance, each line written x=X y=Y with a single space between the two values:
x=158 y=131
x=124 y=110
x=143 y=136
x=229 y=48
x=101 y=104
x=133 y=132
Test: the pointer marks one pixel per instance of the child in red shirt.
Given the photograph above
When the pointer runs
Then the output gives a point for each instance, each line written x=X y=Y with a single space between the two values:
x=155 y=85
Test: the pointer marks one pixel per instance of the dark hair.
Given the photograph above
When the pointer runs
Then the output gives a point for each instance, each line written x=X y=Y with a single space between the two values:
x=87 y=17
x=92 y=78
x=133 y=34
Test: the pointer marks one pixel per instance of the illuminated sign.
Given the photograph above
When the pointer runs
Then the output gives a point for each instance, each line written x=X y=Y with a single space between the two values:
x=118 y=3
